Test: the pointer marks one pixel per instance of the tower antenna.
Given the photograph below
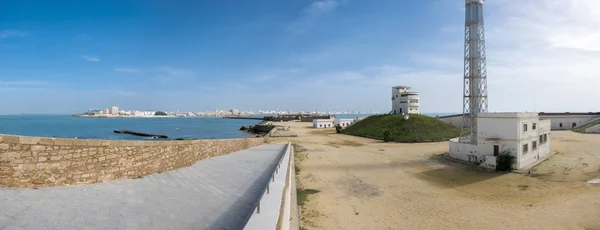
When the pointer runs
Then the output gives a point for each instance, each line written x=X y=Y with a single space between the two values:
x=475 y=73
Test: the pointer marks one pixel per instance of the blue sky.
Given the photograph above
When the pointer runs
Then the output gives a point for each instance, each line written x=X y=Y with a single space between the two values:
x=68 y=56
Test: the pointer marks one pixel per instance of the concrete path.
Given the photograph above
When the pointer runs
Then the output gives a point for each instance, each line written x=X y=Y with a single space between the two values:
x=215 y=193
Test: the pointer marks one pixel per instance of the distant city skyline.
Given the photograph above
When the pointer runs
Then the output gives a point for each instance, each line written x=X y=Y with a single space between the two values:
x=61 y=57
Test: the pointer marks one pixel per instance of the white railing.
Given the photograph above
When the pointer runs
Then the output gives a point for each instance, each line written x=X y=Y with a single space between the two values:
x=276 y=208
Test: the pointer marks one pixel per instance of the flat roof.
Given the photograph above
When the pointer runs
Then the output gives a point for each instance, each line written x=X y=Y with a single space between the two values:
x=401 y=86
x=508 y=114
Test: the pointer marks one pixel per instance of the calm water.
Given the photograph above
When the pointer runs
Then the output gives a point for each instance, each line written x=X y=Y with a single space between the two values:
x=102 y=128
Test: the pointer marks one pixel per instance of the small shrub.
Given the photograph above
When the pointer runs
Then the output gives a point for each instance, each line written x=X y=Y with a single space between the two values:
x=505 y=161
x=243 y=128
x=387 y=135
x=338 y=129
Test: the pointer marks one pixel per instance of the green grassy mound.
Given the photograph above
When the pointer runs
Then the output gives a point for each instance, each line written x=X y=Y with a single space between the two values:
x=418 y=128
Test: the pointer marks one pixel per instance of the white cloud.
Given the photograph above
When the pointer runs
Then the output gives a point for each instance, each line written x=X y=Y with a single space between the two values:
x=311 y=14
x=127 y=70
x=542 y=55
x=170 y=71
x=12 y=33
x=90 y=58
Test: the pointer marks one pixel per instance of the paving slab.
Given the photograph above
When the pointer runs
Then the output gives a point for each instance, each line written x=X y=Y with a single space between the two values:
x=214 y=193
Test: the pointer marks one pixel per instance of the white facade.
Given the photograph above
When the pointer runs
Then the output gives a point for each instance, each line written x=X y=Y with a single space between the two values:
x=114 y=110
x=523 y=135
x=404 y=100
x=344 y=122
x=323 y=123
x=559 y=121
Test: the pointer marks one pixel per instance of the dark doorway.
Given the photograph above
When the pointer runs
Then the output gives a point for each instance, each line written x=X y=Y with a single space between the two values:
x=574 y=124
x=496 y=150
x=394 y=111
x=560 y=125
x=400 y=110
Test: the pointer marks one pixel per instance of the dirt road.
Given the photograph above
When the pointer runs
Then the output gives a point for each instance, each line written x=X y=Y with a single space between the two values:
x=368 y=184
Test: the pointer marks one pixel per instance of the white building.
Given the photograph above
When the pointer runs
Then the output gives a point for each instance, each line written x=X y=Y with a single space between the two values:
x=114 y=110
x=344 y=122
x=522 y=135
x=404 y=100
x=323 y=123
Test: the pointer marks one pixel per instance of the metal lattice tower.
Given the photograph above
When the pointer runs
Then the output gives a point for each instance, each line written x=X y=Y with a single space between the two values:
x=475 y=78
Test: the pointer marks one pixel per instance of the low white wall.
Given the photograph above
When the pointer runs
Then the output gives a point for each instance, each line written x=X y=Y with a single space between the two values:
x=567 y=120
x=273 y=204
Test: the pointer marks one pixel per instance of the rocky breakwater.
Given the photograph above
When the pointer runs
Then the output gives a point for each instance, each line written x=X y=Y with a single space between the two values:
x=47 y=162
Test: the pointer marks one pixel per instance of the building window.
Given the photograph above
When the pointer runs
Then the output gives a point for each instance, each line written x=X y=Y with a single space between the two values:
x=524 y=127
x=533 y=145
x=320 y=126
x=533 y=126
x=541 y=139
x=496 y=150
x=396 y=95
x=560 y=125
x=545 y=138
x=574 y=124
x=525 y=148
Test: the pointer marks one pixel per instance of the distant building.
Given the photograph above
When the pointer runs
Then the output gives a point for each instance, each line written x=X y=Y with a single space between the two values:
x=404 y=100
x=235 y=111
x=344 y=122
x=322 y=123
x=114 y=110
x=522 y=135
x=107 y=111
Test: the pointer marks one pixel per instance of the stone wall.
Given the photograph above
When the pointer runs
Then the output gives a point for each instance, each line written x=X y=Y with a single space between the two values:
x=47 y=162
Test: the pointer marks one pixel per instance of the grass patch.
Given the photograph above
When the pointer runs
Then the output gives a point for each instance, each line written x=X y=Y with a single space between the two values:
x=321 y=131
x=418 y=128
x=345 y=143
x=303 y=195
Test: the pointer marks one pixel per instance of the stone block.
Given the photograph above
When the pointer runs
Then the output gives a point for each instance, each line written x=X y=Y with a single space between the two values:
x=56 y=158
x=38 y=148
x=9 y=156
x=77 y=155
x=85 y=175
x=11 y=139
x=42 y=159
x=30 y=140
x=95 y=143
x=40 y=165
x=105 y=143
x=68 y=156
x=19 y=161
x=4 y=146
x=80 y=142
x=28 y=166
x=63 y=141
x=102 y=158
x=47 y=141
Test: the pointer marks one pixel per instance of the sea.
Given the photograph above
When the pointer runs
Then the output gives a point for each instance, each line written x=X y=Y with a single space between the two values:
x=67 y=126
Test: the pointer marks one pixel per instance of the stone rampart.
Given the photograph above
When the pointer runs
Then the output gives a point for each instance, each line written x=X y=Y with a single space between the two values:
x=47 y=162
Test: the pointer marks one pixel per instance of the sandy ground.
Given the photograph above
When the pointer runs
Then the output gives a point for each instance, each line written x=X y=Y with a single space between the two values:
x=368 y=184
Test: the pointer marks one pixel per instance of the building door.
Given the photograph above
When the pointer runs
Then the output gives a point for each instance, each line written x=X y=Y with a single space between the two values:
x=496 y=150
x=574 y=124
x=394 y=111
x=400 y=110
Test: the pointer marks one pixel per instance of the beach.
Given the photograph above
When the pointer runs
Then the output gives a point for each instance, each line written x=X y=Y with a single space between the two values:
x=369 y=184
